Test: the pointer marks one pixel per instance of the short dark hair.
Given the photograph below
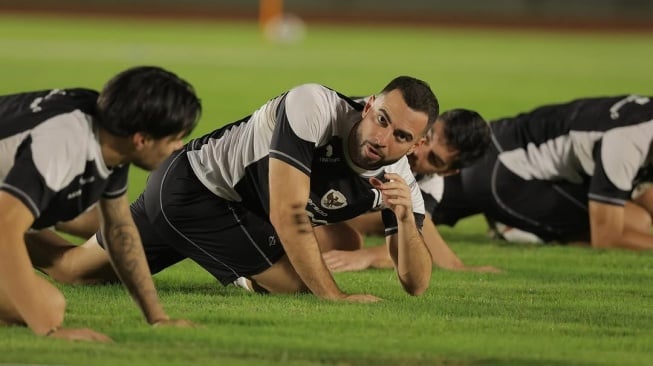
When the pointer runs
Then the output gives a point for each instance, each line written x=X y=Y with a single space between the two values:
x=148 y=99
x=417 y=95
x=468 y=133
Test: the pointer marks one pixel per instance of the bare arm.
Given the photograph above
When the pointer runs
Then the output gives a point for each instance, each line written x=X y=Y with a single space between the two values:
x=17 y=278
x=25 y=297
x=408 y=251
x=358 y=260
x=607 y=227
x=289 y=191
x=123 y=243
x=340 y=258
x=443 y=256
x=83 y=226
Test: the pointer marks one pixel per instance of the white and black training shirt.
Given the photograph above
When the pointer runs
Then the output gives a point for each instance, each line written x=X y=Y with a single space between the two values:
x=308 y=128
x=604 y=141
x=50 y=157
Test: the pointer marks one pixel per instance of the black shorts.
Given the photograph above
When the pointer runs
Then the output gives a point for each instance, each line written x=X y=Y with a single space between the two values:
x=552 y=210
x=177 y=217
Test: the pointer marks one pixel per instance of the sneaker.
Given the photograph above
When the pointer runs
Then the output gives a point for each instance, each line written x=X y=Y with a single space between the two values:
x=243 y=282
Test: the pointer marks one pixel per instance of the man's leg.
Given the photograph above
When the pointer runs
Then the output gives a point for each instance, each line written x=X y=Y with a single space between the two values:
x=368 y=224
x=345 y=235
x=83 y=226
x=88 y=263
x=554 y=211
x=643 y=196
x=280 y=278
x=67 y=263
x=9 y=315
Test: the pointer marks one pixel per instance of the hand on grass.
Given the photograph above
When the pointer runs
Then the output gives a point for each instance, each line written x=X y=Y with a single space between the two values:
x=80 y=334
x=361 y=298
x=347 y=260
x=175 y=323
x=480 y=269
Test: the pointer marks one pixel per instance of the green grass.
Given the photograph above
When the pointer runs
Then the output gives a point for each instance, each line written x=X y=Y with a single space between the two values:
x=552 y=306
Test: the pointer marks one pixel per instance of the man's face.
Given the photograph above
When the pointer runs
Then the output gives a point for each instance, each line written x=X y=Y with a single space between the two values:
x=152 y=152
x=433 y=155
x=388 y=131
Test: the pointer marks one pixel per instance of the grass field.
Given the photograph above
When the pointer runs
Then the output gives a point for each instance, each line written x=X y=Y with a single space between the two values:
x=552 y=306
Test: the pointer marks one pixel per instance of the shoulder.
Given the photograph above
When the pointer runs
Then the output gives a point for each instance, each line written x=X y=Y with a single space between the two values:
x=310 y=95
x=433 y=185
x=61 y=145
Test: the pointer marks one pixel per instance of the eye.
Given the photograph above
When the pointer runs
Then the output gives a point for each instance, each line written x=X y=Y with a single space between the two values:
x=435 y=160
x=381 y=119
x=402 y=137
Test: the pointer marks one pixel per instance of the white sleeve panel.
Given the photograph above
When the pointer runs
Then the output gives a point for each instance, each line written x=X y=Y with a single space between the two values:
x=624 y=152
x=311 y=111
x=433 y=185
x=57 y=145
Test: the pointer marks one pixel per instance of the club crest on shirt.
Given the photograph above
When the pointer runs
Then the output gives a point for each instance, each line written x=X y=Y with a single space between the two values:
x=333 y=200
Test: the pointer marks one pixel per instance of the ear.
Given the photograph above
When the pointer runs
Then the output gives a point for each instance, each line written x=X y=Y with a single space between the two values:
x=412 y=149
x=140 y=140
x=368 y=105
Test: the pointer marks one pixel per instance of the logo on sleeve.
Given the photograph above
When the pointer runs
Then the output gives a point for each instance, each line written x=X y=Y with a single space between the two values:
x=333 y=200
x=328 y=155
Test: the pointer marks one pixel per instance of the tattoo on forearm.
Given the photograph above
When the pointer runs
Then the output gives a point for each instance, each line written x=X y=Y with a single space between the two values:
x=124 y=248
x=300 y=217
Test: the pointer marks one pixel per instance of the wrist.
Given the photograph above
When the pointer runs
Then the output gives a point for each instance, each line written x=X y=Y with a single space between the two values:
x=158 y=319
x=338 y=296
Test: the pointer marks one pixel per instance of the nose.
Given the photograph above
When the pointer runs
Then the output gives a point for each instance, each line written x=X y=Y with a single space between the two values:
x=383 y=135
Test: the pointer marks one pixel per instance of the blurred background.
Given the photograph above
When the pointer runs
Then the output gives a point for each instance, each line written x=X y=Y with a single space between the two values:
x=500 y=57
x=630 y=14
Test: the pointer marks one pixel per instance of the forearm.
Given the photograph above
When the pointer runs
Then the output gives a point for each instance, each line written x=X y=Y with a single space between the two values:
x=413 y=260
x=302 y=250
x=608 y=229
x=128 y=259
x=379 y=256
x=629 y=239
x=24 y=296
x=19 y=285
x=441 y=254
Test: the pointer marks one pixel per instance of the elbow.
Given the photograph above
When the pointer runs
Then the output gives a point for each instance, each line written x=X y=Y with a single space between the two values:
x=605 y=241
x=415 y=289
x=56 y=305
x=601 y=244
x=291 y=216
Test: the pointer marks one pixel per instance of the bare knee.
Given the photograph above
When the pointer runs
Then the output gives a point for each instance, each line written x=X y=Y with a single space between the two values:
x=281 y=278
x=340 y=236
x=87 y=264
x=57 y=304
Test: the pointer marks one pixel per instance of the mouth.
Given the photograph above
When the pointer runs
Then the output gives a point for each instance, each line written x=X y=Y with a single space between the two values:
x=372 y=153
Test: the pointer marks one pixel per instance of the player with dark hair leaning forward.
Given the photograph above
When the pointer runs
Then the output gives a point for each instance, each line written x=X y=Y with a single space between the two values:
x=465 y=134
x=63 y=150
x=243 y=200
x=565 y=173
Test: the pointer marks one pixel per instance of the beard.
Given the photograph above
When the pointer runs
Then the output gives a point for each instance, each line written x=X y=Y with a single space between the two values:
x=366 y=154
